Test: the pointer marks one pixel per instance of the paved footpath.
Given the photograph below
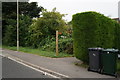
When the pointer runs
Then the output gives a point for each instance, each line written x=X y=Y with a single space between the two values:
x=65 y=66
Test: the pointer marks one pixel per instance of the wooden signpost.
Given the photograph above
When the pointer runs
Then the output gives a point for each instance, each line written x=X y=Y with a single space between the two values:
x=56 y=43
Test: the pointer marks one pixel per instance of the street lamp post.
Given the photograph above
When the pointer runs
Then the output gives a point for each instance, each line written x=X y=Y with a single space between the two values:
x=17 y=26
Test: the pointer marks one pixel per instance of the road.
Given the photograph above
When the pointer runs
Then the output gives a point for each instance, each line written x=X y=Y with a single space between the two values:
x=12 y=69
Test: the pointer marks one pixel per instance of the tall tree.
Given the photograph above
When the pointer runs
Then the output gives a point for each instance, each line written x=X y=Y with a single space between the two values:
x=27 y=11
x=25 y=8
x=30 y=9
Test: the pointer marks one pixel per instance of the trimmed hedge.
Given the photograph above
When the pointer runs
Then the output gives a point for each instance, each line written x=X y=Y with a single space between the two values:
x=91 y=29
x=117 y=36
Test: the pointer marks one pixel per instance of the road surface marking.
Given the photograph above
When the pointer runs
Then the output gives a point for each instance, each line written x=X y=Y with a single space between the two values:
x=27 y=65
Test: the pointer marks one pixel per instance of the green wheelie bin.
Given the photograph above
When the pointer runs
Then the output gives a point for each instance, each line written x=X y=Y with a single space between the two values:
x=109 y=61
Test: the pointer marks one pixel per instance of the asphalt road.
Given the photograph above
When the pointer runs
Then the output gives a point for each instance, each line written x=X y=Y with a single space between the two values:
x=12 y=69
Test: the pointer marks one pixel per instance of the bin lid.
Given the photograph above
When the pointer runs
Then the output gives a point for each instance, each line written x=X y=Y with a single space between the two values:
x=94 y=49
x=111 y=50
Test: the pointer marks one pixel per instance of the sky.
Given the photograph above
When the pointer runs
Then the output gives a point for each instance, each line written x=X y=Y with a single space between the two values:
x=71 y=7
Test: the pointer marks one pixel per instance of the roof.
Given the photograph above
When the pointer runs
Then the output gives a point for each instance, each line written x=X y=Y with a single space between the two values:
x=117 y=19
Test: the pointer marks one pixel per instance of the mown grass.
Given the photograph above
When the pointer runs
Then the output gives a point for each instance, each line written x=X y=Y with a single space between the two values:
x=39 y=52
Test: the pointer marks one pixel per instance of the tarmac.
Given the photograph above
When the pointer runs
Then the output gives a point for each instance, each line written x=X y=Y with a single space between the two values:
x=63 y=67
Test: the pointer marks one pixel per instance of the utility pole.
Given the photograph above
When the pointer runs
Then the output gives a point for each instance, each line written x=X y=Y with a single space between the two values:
x=119 y=10
x=17 y=25
x=56 y=43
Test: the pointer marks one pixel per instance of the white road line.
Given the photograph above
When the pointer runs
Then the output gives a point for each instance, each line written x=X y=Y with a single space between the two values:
x=45 y=73
x=44 y=69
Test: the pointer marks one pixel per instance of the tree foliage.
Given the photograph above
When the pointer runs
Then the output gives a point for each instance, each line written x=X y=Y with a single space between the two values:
x=24 y=23
x=46 y=26
x=27 y=11
x=9 y=9
x=10 y=38
x=10 y=33
x=30 y=9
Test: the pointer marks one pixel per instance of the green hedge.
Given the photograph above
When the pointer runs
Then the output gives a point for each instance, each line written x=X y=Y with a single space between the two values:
x=117 y=36
x=91 y=29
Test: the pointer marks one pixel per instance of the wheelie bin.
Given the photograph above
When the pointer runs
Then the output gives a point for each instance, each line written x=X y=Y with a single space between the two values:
x=94 y=59
x=109 y=61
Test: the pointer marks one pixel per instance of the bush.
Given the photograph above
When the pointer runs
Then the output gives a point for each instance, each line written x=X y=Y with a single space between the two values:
x=45 y=26
x=91 y=29
x=65 y=46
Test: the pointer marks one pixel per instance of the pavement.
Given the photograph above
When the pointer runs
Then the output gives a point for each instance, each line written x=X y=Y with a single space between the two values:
x=63 y=67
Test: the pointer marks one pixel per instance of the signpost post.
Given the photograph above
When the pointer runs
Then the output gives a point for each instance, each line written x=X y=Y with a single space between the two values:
x=56 y=43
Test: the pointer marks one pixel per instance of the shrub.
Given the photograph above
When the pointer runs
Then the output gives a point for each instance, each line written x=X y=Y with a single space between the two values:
x=65 y=46
x=91 y=29
x=45 y=26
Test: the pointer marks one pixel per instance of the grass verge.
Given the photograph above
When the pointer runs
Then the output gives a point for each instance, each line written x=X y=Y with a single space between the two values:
x=39 y=52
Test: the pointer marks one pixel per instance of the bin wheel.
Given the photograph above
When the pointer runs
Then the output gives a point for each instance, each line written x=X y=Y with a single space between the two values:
x=116 y=75
x=88 y=69
x=101 y=71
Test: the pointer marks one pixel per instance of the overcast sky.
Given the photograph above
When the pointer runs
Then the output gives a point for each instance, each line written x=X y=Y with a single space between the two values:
x=70 y=7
